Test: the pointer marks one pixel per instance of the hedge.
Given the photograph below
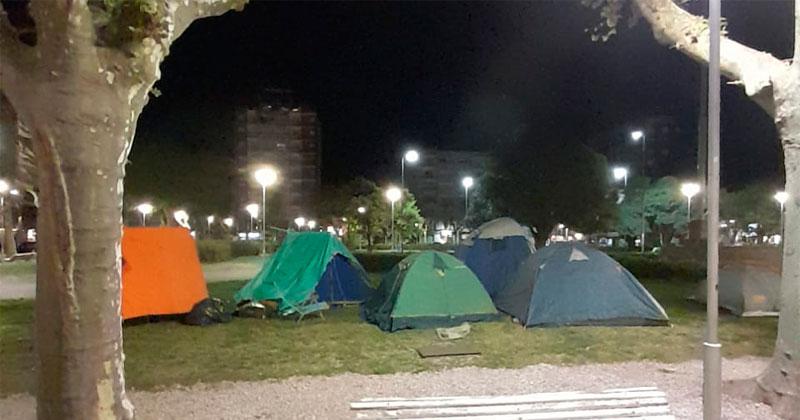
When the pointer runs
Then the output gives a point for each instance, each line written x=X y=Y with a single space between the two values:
x=653 y=267
x=214 y=250
x=247 y=248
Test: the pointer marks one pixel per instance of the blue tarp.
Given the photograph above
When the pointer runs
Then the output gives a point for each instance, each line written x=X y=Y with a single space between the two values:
x=342 y=282
x=572 y=284
x=494 y=261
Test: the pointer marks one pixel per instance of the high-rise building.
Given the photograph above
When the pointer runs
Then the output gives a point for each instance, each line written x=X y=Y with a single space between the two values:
x=435 y=181
x=284 y=133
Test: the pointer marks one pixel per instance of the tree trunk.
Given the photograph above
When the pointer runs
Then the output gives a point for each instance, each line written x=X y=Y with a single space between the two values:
x=9 y=245
x=81 y=131
x=779 y=385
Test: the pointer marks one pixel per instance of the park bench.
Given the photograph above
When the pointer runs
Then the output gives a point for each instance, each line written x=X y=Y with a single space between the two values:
x=627 y=403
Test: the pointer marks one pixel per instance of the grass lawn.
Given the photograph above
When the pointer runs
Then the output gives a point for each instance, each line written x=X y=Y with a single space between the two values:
x=18 y=268
x=169 y=353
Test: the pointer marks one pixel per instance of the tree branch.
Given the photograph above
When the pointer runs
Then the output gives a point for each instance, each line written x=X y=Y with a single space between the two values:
x=187 y=11
x=755 y=70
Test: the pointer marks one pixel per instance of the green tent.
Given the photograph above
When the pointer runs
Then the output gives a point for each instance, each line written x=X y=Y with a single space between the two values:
x=429 y=289
x=308 y=262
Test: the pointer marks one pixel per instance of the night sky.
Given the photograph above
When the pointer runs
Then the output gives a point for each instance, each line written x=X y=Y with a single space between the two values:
x=385 y=76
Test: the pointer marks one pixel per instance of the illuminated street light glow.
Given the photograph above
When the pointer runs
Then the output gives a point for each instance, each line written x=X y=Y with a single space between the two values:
x=637 y=135
x=4 y=186
x=393 y=194
x=266 y=176
x=300 y=222
x=252 y=209
x=467 y=182
x=145 y=209
x=210 y=219
x=781 y=197
x=361 y=210
x=412 y=156
x=621 y=173
x=228 y=221
x=312 y=224
x=182 y=217
x=690 y=189
x=13 y=191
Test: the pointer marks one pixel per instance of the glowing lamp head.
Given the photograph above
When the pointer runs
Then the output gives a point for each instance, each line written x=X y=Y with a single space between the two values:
x=690 y=189
x=312 y=224
x=300 y=222
x=620 y=173
x=13 y=191
x=266 y=176
x=637 y=135
x=411 y=156
x=467 y=182
x=361 y=210
x=145 y=208
x=252 y=209
x=210 y=219
x=228 y=221
x=182 y=217
x=393 y=194
x=782 y=197
x=4 y=186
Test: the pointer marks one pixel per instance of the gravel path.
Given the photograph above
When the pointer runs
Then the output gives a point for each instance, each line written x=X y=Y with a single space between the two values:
x=328 y=397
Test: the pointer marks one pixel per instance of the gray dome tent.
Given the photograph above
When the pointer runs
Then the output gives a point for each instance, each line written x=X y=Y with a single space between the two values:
x=572 y=284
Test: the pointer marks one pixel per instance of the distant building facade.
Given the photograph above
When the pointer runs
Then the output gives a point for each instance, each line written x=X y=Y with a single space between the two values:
x=435 y=181
x=284 y=133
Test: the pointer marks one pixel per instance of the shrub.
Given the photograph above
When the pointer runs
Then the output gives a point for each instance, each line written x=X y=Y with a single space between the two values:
x=247 y=248
x=214 y=250
x=652 y=267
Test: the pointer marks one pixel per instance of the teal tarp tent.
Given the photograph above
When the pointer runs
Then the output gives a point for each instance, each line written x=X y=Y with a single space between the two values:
x=572 y=284
x=306 y=262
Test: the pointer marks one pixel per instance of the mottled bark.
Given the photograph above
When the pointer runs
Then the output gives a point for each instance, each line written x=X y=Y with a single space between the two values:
x=80 y=102
x=775 y=85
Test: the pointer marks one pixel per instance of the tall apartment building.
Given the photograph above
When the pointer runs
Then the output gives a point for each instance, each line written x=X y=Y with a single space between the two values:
x=284 y=133
x=435 y=181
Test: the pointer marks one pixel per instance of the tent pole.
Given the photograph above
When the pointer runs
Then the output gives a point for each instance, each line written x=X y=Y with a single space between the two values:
x=712 y=364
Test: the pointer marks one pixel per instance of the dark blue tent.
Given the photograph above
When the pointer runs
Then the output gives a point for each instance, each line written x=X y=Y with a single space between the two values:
x=572 y=284
x=494 y=261
x=342 y=282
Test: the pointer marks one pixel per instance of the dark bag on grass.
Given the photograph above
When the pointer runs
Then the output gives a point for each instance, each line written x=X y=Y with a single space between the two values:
x=207 y=312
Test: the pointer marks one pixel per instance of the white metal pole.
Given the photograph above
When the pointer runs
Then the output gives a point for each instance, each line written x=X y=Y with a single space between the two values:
x=393 y=246
x=712 y=363
x=263 y=219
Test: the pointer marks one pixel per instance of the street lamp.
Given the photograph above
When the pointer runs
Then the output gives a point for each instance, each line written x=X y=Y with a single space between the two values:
x=689 y=190
x=182 y=217
x=393 y=194
x=252 y=210
x=312 y=224
x=145 y=209
x=467 y=182
x=266 y=177
x=361 y=210
x=228 y=221
x=210 y=220
x=782 y=197
x=637 y=135
x=621 y=173
x=411 y=156
x=300 y=222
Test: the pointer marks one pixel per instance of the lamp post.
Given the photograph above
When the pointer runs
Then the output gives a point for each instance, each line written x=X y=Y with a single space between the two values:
x=467 y=182
x=689 y=190
x=782 y=197
x=393 y=194
x=300 y=222
x=182 y=217
x=411 y=156
x=621 y=173
x=210 y=220
x=266 y=177
x=636 y=136
x=312 y=224
x=252 y=210
x=145 y=209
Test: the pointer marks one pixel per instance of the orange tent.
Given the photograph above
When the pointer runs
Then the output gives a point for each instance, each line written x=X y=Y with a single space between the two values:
x=161 y=272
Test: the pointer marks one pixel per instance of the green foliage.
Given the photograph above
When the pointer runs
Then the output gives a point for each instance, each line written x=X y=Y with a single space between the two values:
x=379 y=262
x=652 y=267
x=120 y=23
x=752 y=204
x=543 y=182
x=246 y=248
x=214 y=250
x=664 y=207
x=481 y=207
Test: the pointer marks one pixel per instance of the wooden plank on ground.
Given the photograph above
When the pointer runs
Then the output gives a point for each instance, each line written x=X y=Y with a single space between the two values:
x=448 y=349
